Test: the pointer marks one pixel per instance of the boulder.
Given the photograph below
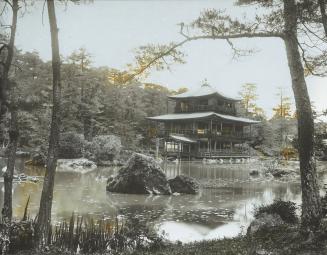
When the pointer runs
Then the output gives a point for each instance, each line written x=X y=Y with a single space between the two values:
x=81 y=165
x=265 y=221
x=184 y=184
x=141 y=175
x=279 y=172
x=254 y=173
x=37 y=159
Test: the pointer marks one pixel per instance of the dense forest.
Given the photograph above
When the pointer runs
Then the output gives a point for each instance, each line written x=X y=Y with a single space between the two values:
x=93 y=102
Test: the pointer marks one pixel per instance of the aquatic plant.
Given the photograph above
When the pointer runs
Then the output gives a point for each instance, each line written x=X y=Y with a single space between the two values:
x=86 y=236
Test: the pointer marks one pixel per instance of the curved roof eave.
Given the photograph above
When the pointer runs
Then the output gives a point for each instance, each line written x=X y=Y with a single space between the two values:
x=200 y=115
x=194 y=96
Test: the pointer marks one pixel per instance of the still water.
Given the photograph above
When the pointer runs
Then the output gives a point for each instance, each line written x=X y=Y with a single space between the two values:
x=224 y=211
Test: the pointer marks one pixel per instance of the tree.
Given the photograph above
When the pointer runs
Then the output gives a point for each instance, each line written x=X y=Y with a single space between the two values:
x=249 y=97
x=7 y=102
x=283 y=109
x=284 y=21
x=282 y=115
x=89 y=85
x=44 y=216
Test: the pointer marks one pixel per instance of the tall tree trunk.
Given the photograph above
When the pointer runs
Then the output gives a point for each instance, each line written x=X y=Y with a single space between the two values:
x=311 y=205
x=8 y=175
x=322 y=6
x=44 y=216
x=6 y=91
x=10 y=54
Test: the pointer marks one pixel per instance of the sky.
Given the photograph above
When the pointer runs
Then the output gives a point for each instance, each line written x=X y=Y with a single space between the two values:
x=111 y=30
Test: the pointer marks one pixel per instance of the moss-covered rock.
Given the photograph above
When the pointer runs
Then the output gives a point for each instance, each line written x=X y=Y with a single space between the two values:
x=141 y=175
x=184 y=184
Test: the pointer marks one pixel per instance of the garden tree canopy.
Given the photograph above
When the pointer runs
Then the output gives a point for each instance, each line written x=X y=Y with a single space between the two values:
x=105 y=101
x=291 y=21
x=283 y=109
x=79 y=65
x=249 y=97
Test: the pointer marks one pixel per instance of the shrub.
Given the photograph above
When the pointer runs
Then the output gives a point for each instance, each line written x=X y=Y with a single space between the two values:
x=71 y=145
x=285 y=209
x=103 y=148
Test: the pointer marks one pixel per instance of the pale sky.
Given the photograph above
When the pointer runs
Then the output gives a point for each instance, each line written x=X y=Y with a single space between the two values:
x=110 y=30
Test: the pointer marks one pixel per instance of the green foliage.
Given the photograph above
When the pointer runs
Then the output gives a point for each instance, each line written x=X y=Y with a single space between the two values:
x=285 y=209
x=92 y=103
x=103 y=148
x=71 y=145
x=87 y=236
x=249 y=98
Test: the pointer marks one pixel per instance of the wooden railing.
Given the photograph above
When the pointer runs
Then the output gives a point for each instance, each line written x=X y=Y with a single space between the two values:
x=205 y=108
x=204 y=133
x=224 y=152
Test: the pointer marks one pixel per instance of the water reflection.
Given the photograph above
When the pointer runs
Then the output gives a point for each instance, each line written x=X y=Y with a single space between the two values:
x=213 y=213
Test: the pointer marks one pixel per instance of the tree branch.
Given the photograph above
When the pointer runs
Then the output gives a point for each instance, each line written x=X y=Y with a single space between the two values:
x=204 y=37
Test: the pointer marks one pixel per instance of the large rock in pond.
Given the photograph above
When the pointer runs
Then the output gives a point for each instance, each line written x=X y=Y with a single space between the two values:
x=141 y=175
x=184 y=184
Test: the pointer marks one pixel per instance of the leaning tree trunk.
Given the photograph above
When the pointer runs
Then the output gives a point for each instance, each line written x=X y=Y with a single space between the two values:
x=44 y=216
x=8 y=175
x=6 y=92
x=311 y=205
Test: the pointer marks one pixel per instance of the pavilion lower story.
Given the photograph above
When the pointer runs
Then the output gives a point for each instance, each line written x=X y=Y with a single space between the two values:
x=203 y=148
x=203 y=135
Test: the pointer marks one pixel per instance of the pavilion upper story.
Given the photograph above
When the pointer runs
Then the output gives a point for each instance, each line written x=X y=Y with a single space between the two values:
x=204 y=99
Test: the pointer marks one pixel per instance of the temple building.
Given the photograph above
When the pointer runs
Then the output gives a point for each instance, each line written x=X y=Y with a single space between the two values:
x=203 y=125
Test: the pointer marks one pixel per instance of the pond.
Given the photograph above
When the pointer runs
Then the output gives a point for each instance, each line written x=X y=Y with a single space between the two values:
x=224 y=211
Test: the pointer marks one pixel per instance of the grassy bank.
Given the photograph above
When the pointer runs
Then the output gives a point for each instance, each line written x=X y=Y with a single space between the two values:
x=281 y=240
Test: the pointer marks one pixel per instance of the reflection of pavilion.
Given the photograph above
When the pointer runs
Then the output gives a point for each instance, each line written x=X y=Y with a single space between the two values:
x=204 y=125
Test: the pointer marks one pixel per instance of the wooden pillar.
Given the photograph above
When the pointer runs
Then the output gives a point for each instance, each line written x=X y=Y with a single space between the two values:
x=157 y=147
x=189 y=152
x=210 y=126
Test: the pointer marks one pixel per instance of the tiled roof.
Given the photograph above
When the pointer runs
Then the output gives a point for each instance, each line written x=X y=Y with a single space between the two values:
x=204 y=90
